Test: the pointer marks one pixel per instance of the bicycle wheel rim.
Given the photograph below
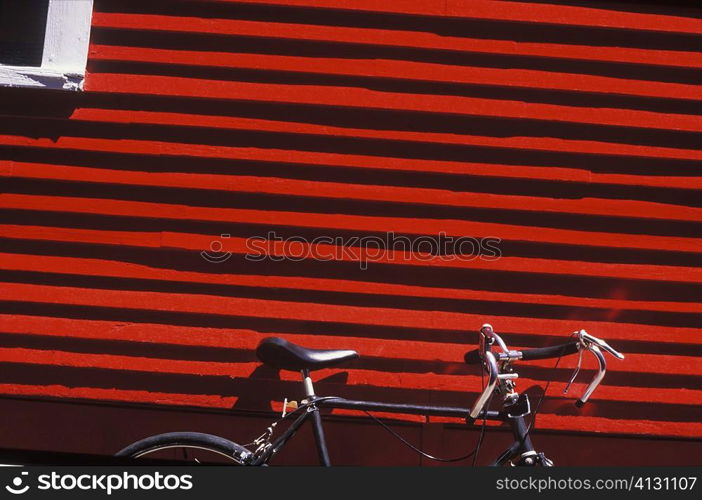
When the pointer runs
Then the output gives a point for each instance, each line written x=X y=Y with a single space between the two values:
x=156 y=449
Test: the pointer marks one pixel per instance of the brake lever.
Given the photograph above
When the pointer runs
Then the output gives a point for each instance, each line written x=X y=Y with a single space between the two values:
x=592 y=344
x=586 y=337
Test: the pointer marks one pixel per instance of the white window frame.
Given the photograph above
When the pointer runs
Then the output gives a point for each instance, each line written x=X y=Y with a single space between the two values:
x=65 y=50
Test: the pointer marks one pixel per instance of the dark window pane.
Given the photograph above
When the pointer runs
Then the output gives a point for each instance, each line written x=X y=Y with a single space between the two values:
x=22 y=28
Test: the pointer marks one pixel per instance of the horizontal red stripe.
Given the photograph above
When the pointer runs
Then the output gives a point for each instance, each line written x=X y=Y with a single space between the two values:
x=364 y=98
x=116 y=362
x=645 y=180
x=401 y=70
x=397 y=38
x=353 y=161
x=99 y=267
x=461 y=322
x=472 y=383
x=335 y=190
x=124 y=395
x=348 y=222
x=510 y=11
x=126 y=238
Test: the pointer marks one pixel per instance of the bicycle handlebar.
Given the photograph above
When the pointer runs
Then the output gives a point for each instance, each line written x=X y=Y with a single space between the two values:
x=555 y=351
x=490 y=360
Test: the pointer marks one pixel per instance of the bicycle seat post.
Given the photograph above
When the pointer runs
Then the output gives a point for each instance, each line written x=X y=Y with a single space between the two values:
x=307 y=382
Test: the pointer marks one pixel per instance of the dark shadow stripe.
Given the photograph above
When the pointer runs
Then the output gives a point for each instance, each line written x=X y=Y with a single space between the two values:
x=618 y=378
x=322 y=205
x=488 y=308
x=445 y=26
x=310 y=48
x=681 y=8
x=484 y=126
x=590 y=99
x=128 y=348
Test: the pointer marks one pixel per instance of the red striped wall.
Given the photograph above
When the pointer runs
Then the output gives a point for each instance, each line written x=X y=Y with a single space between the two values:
x=570 y=132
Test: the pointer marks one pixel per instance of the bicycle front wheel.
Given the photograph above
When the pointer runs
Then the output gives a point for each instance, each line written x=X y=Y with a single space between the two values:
x=188 y=446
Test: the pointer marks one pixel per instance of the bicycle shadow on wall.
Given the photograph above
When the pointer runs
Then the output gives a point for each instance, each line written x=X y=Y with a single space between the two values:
x=264 y=385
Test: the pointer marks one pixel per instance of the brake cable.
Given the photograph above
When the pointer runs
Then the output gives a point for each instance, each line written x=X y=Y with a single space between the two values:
x=473 y=453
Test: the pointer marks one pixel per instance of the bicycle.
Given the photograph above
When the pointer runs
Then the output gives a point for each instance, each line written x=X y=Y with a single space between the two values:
x=493 y=354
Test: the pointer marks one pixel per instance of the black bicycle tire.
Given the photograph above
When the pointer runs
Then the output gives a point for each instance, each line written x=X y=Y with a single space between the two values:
x=209 y=442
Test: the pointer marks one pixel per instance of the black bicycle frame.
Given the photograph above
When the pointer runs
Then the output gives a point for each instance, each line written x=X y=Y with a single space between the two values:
x=521 y=447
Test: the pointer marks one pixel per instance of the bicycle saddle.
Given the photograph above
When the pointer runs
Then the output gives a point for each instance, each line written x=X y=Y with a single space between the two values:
x=279 y=353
